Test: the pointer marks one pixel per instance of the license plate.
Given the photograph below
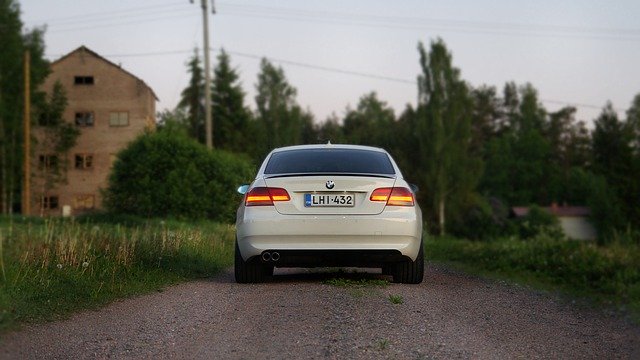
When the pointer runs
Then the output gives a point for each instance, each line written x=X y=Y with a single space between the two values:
x=332 y=200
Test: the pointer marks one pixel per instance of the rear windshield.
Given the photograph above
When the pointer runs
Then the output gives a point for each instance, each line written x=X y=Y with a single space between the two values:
x=348 y=161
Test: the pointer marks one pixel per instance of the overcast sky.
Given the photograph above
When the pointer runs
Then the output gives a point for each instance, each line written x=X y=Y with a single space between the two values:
x=580 y=52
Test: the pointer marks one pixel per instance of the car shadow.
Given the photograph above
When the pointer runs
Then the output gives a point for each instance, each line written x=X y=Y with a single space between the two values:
x=312 y=275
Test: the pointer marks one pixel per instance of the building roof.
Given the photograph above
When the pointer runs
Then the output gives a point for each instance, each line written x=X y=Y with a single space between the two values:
x=559 y=211
x=85 y=49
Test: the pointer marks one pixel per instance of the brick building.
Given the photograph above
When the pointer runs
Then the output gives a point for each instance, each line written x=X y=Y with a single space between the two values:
x=110 y=107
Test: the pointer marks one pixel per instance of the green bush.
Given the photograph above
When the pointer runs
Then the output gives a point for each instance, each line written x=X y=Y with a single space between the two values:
x=538 y=222
x=485 y=219
x=166 y=174
x=609 y=272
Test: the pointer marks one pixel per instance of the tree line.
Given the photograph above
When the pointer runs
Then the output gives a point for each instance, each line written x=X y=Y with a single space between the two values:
x=473 y=151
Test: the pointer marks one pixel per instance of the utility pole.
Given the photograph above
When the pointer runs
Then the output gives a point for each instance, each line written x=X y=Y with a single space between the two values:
x=208 y=124
x=26 y=188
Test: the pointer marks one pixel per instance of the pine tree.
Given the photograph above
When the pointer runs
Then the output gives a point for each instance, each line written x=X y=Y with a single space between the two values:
x=231 y=116
x=486 y=116
x=611 y=146
x=633 y=123
x=613 y=159
x=192 y=99
x=633 y=192
x=278 y=115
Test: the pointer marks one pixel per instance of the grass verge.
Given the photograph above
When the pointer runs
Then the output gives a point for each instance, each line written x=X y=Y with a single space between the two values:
x=49 y=269
x=609 y=274
x=358 y=288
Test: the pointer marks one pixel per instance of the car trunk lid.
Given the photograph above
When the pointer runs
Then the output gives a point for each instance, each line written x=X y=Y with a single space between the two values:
x=307 y=192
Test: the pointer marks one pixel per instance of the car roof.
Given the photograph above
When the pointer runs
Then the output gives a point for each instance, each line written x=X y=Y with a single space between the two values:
x=329 y=146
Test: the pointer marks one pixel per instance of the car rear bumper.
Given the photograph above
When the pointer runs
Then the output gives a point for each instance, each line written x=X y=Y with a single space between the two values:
x=393 y=235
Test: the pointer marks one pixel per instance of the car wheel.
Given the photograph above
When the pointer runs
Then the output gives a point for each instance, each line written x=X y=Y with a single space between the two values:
x=251 y=271
x=410 y=272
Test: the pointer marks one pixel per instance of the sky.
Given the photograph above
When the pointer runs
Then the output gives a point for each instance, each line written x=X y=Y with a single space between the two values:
x=574 y=52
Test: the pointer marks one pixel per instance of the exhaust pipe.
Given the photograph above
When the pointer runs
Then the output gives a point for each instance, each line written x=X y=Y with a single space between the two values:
x=266 y=256
x=275 y=256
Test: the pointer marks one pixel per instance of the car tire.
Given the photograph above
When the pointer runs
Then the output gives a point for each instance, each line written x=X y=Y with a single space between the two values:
x=251 y=271
x=410 y=272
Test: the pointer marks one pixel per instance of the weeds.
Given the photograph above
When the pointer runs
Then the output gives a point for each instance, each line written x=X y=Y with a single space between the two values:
x=358 y=288
x=342 y=282
x=396 y=299
x=58 y=266
x=383 y=344
x=610 y=273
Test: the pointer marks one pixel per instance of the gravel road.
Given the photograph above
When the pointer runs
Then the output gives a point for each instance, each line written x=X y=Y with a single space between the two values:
x=450 y=315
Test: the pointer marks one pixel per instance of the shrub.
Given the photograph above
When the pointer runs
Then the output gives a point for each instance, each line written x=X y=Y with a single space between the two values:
x=611 y=272
x=485 y=219
x=166 y=174
x=537 y=222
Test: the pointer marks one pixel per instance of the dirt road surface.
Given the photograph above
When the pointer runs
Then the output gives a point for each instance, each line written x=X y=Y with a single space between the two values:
x=449 y=315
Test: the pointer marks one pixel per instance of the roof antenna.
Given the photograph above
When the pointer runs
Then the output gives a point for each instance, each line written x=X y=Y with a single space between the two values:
x=329 y=142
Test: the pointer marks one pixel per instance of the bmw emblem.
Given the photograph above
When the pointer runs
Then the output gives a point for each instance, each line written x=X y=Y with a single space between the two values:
x=330 y=184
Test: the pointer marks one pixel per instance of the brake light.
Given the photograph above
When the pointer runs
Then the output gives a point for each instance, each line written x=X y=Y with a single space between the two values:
x=396 y=196
x=264 y=196
x=381 y=194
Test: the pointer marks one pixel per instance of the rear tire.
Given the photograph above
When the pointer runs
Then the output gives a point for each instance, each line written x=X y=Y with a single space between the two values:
x=252 y=271
x=410 y=272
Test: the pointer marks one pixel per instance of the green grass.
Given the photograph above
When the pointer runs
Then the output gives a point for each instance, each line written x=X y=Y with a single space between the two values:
x=360 y=287
x=609 y=274
x=342 y=282
x=49 y=269
x=382 y=344
x=396 y=299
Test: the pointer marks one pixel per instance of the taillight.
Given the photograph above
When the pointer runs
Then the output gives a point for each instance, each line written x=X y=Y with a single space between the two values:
x=264 y=196
x=380 y=194
x=397 y=196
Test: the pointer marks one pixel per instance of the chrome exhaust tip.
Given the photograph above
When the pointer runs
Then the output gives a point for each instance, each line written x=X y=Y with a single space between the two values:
x=275 y=256
x=266 y=256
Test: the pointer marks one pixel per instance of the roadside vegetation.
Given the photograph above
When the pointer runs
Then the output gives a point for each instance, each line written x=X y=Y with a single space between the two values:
x=50 y=268
x=176 y=177
x=358 y=287
x=475 y=151
x=609 y=274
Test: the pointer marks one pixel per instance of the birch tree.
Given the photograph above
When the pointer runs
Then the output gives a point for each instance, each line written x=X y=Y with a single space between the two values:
x=449 y=170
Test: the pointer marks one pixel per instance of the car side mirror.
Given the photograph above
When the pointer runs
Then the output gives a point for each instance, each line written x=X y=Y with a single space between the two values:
x=414 y=188
x=243 y=189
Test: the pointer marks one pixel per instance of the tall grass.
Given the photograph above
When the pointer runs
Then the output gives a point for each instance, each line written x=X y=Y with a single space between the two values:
x=610 y=273
x=54 y=267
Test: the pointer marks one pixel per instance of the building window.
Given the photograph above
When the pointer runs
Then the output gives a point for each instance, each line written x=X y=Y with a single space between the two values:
x=49 y=202
x=84 y=202
x=84 y=161
x=119 y=118
x=84 y=119
x=83 y=80
x=48 y=161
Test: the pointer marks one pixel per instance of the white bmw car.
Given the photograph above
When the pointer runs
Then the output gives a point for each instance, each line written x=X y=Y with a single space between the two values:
x=329 y=205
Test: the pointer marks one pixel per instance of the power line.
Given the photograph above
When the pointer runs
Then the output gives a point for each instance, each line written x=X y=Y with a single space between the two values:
x=114 y=18
x=324 y=68
x=106 y=13
x=329 y=69
x=421 y=20
x=125 y=23
x=454 y=29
